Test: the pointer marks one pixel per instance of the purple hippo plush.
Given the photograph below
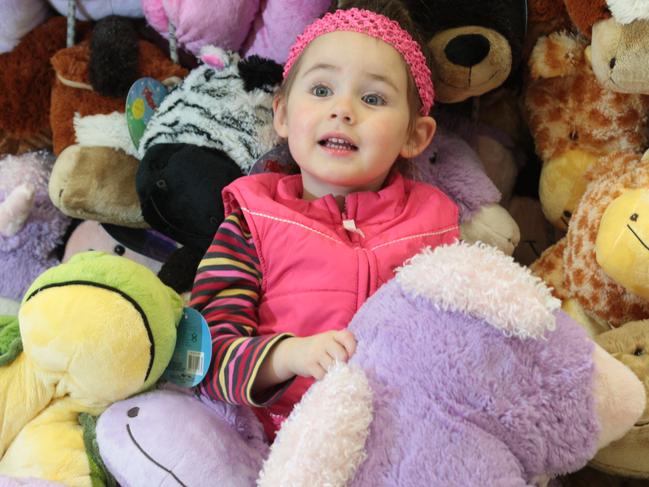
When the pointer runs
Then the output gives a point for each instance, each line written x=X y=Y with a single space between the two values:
x=167 y=437
x=466 y=373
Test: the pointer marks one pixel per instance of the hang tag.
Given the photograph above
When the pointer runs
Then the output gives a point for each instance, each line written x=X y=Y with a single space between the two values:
x=143 y=99
x=193 y=351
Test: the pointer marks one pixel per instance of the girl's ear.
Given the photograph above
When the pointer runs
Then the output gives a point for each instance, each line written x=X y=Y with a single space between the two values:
x=419 y=138
x=279 y=116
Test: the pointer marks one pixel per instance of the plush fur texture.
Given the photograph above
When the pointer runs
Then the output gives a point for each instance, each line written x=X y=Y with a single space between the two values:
x=585 y=13
x=449 y=163
x=585 y=280
x=455 y=400
x=331 y=463
x=163 y=178
x=626 y=11
x=26 y=79
x=30 y=249
x=113 y=65
x=212 y=108
x=181 y=440
x=574 y=119
x=467 y=278
x=266 y=28
x=274 y=30
x=568 y=108
x=104 y=130
x=72 y=92
x=206 y=133
x=96 y=183
x=627 y=456
x=98 y=9
x=17 y=18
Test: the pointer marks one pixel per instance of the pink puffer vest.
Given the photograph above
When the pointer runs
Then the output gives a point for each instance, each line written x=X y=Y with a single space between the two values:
x=319 y=264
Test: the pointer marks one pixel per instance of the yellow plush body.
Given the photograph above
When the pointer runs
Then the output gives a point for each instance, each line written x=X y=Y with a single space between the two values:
x=87 y=342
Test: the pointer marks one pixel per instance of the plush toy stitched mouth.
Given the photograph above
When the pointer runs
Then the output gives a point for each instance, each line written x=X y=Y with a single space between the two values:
x=137 y=445
x=637 y=236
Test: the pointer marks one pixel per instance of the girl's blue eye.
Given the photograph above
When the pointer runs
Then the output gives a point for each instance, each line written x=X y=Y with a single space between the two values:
x=374 y=99
x=321 y=90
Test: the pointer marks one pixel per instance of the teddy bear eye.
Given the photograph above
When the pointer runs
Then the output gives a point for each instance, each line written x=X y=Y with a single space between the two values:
x=634 y=217
x=567 y=214
x=639 y=351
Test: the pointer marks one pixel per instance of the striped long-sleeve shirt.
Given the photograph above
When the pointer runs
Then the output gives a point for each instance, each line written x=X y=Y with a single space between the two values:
x=226 y=292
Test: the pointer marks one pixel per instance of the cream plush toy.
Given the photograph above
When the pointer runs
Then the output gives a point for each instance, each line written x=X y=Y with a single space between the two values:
x=94 y=330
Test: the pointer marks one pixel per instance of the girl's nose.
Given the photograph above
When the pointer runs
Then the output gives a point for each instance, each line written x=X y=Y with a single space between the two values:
x=343 y=111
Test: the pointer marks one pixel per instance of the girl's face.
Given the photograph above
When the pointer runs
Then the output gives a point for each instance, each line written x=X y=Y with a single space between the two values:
x=346 y=116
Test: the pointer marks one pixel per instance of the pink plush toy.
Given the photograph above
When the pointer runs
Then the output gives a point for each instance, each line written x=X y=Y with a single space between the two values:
x=263 y=27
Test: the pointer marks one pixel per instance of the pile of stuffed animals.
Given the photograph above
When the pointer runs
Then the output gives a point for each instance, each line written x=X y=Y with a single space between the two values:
x=107 y=205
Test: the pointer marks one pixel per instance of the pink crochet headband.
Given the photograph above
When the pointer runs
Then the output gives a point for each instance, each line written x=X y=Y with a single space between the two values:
x=379 y=27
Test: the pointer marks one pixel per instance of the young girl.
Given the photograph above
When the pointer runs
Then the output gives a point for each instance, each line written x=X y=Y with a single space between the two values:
x=298 y=255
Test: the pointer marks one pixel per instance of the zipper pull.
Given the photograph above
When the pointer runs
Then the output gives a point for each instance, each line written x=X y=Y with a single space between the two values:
x=350 y=226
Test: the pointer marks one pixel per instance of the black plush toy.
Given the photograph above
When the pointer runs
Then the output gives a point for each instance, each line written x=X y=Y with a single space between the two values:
x=206 y=133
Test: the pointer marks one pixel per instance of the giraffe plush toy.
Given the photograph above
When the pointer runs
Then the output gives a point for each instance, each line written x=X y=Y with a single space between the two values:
x=594 y=269
x=574 y=120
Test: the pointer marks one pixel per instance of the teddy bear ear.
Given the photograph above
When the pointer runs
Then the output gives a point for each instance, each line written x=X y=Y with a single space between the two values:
x=555 y=55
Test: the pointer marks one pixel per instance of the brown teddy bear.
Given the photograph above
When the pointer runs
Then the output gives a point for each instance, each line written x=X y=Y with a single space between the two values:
x=574 y=120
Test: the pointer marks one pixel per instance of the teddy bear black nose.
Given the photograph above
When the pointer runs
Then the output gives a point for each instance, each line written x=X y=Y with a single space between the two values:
x=467 y=50
x=133 y=412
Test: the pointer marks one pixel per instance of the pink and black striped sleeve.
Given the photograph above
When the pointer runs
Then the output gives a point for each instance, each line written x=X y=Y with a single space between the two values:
x=226 y=292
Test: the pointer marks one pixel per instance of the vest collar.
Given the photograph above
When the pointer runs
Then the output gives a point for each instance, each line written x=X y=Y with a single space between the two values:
x=363 y=207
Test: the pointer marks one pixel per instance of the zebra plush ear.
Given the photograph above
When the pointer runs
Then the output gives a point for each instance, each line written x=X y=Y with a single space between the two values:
x=217 y=58
x=260 y=73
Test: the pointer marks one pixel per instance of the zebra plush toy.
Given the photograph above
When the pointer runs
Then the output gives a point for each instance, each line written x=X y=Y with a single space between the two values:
x=207 y=132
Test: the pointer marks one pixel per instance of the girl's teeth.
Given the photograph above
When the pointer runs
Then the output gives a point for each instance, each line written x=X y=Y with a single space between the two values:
x=336 y=143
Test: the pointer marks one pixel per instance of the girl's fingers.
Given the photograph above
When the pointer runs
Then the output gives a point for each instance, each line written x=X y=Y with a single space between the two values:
x=337 y=351
x=317 y=371
x=346 y=339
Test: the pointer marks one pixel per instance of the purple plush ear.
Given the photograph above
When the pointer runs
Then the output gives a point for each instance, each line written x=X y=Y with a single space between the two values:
x=452 y=165
x=169 y=437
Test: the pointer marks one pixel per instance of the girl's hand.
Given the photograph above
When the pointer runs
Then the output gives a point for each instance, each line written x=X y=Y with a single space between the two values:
x=312 y=356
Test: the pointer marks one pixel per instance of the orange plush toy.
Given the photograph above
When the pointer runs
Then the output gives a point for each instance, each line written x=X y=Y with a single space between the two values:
x=26 y=79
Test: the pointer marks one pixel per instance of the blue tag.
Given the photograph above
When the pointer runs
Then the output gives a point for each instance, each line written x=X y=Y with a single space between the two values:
x=193 y=351
x=143 y=99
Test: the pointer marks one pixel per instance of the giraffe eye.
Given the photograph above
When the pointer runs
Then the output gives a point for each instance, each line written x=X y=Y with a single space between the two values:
x=634 y=217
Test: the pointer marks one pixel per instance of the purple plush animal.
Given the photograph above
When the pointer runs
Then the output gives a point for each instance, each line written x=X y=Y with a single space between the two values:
x=466 y=373
x=167 y=437
x=31 y=227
